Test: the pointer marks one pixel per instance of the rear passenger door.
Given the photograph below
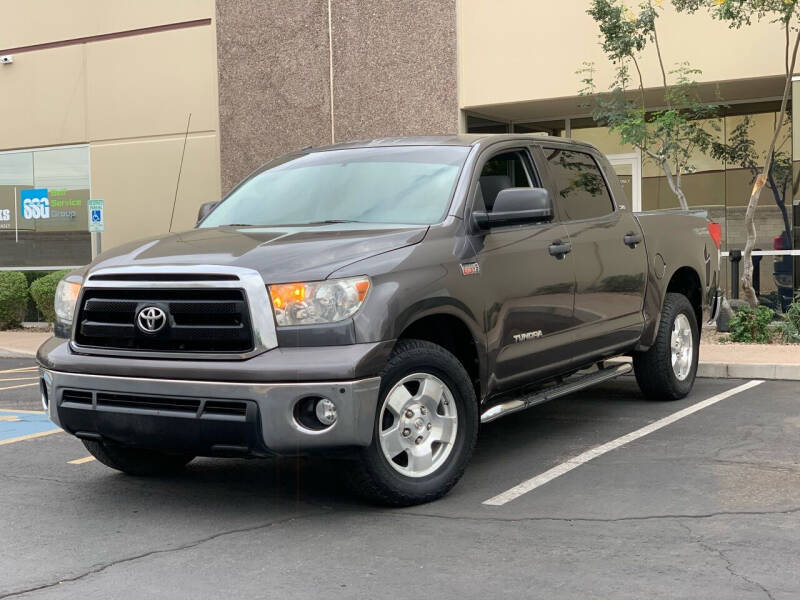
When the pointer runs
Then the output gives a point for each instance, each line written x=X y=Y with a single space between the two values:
x=528 y=292
x=608 y=250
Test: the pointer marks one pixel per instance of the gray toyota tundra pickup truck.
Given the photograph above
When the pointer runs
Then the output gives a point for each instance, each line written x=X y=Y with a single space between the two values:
x=376 y=302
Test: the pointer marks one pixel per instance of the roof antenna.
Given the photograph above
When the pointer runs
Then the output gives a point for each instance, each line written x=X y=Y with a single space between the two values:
x=180 y=168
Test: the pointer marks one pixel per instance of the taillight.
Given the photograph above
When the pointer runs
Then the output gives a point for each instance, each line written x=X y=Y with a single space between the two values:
x=715 y=230
x=777 y=243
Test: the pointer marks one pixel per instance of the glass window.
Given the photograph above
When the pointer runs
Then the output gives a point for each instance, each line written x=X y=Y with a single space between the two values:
x=582 y=191
x=500 y=172
x=43 y=208
x=404 y=184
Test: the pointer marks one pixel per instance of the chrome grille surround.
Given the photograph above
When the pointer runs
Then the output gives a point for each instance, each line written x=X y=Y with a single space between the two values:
x=188 y=277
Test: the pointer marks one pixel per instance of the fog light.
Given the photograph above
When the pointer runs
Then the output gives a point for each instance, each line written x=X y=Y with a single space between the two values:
x=325 y=411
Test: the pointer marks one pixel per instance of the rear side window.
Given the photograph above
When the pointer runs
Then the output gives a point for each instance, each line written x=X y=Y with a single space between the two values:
x=581 y=190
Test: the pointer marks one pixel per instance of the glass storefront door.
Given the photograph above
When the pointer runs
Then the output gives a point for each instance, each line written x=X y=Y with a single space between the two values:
x=629 y=170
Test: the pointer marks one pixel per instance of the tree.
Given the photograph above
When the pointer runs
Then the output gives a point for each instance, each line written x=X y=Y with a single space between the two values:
x=671 y=135
x=738 y=14
x=740 y=150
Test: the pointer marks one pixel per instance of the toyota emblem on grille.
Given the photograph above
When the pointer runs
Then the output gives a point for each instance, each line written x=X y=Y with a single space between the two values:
x=151 y=319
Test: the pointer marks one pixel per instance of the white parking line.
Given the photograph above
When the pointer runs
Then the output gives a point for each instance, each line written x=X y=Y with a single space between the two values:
x=14 y=387
x=573 y=463
x=81 y=461
x=30 y=436
x=20 y=369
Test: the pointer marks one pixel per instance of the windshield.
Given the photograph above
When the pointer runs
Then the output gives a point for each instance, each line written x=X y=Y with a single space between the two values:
x=400 y=184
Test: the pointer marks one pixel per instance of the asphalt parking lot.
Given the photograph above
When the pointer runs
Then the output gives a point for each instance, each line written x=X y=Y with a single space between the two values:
x=705 y=506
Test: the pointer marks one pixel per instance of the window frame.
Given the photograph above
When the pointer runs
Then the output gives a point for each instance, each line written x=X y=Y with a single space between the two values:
x=92 y=237
x=553 y=184
x=534 y=176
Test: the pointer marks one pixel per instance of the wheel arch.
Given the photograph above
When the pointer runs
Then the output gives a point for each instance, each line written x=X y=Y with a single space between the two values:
x=683 y=280
x=448 y=327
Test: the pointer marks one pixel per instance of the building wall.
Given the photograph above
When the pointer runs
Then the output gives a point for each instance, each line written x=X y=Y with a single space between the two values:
x=390 y=67
x=128 y=95
x=520 y=50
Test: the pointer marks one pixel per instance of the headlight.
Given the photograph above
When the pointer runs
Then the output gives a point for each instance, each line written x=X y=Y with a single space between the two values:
x=66 y=298
x=318 y=301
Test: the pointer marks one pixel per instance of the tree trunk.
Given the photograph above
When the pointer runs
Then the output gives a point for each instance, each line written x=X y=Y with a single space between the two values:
x=761 y=180
x=674 y=186
x=781 y=202
x=750 y=228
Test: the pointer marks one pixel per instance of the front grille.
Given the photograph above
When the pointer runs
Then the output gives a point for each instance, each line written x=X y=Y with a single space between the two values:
x=198 y=320
x=172 y=404
x=77 y=397
x=190 y=405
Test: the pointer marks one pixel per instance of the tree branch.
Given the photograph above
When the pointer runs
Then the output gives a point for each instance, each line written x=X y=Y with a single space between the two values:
x=672 y=184
x=661 y=64
x=641 y=81
x=786 y=50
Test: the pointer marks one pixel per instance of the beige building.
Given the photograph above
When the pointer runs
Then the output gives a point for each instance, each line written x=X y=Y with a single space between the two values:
x=96 y=103
x=103 y=93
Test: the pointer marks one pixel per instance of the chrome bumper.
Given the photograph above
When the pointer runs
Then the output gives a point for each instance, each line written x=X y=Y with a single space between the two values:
x=356 y=403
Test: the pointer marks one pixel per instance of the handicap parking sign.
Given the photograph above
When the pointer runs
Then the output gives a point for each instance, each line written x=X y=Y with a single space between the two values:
x=96 y=221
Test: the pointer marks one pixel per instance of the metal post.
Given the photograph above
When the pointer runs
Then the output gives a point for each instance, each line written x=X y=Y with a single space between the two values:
x=757 y=273
x=735 y=256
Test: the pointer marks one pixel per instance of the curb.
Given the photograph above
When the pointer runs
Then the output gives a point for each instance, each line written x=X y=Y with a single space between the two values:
x=718 y=370
x=748 y=371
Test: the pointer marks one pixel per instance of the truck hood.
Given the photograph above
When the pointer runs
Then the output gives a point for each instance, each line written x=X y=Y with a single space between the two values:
x=280 y=254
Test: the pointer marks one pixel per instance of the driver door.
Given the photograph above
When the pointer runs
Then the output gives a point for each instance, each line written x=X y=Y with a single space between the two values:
x=529 y=292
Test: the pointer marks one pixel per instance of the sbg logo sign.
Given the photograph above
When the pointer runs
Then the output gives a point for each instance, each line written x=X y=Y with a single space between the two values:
x=35 y=204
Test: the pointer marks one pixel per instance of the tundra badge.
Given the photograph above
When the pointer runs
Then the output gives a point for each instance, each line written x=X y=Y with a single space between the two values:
x=528 y=335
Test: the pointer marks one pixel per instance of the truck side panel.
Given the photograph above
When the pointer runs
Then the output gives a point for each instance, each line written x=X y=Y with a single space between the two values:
x=676 y=241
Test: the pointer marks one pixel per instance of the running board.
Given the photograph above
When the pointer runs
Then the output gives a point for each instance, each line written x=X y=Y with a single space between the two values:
x=551 y=393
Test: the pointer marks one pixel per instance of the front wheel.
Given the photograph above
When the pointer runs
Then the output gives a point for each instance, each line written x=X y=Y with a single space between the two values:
x=425 y=427
x=667 y=370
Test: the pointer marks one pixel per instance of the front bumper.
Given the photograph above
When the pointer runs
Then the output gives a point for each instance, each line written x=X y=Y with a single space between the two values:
x=177 y=415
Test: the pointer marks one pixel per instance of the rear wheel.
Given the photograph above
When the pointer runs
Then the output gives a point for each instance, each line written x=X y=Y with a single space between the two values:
x=425 y=428
x=667 y=370
x=137 y=461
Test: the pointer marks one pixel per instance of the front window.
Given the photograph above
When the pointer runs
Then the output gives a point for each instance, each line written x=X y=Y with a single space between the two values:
x=403 y=184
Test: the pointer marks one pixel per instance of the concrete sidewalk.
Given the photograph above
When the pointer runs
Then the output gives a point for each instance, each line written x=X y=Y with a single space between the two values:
x=756 y=361
x=750 y=361
x=21 y=343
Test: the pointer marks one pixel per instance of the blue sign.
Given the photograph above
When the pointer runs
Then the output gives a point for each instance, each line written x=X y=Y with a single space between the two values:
x=96 y=220
x=34 y=204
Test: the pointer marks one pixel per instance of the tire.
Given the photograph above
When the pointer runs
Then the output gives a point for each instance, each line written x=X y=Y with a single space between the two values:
x=137 y=461
x=655 y=373
x=417 y=422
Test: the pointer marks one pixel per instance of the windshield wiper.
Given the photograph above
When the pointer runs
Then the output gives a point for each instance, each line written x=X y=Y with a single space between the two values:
x=325 y=222
x=330 y=222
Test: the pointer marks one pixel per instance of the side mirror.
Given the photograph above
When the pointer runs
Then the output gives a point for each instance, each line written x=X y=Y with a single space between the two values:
x=205 y=208
x=517 y=206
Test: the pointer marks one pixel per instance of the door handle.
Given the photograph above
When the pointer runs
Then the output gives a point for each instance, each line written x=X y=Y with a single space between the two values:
x=631 y=239
x=559 y=249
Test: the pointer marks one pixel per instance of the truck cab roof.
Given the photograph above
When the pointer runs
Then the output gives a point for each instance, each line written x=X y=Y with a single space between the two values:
x=461 y=139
